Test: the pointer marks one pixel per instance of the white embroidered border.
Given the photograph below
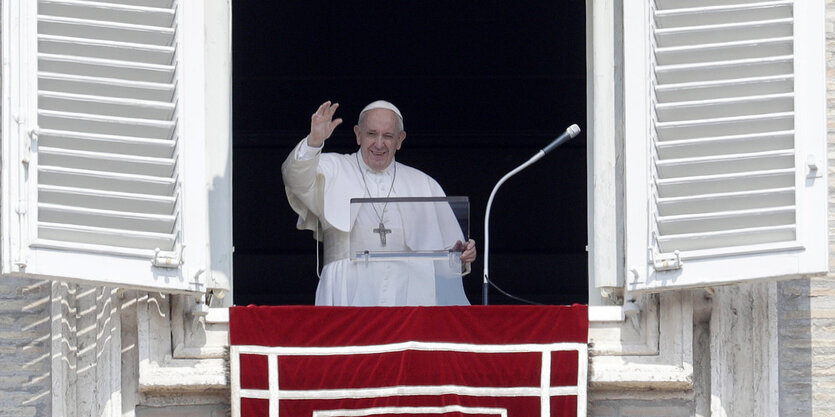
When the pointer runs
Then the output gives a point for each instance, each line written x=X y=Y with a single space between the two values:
x=501 y=412
x=410 y=390
x=274 y=393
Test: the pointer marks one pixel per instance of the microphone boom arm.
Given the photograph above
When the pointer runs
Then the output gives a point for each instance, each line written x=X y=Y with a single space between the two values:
x=486 y=283
x=569 y=133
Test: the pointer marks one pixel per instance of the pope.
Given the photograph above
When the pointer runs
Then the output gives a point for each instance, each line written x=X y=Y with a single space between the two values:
x=319 y=187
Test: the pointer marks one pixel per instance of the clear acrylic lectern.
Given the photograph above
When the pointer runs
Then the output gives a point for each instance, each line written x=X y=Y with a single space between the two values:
x=410 y=228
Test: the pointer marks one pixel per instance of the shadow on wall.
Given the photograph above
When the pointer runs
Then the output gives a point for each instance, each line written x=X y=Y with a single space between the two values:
x=25 y=347
x=90 y=352
x=795 y=346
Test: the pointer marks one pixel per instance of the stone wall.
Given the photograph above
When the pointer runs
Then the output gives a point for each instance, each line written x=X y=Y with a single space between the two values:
x=24 y=348
x=822 y=349
x=643 y=405
x=796 y=346
x=821 y=291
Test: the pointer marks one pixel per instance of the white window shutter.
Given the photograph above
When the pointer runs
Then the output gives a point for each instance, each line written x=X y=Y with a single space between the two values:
x=104 y=155
x=725 y=124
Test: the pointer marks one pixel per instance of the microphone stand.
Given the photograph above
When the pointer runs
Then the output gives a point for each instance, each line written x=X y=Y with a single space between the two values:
x=569 y=133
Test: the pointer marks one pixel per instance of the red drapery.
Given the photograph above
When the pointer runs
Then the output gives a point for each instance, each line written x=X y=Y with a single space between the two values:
x=409 y=361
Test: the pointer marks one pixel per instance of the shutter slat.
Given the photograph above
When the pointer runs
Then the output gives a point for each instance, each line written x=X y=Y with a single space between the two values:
x=127 y=164
x=692 y=204
x=725 y=126
x=106 y=106
x=702 y=53
x=116 y=51
x=105 y=200
x=89 y=10
x=724 y=88
x=106 y=181
x=725 y=183
x=727 y=238
x=725 y=164
x=725 y=145
x=118 y=32
x=725 y=107
x=674 y=5
x=725 y=70
x=109 y=125
x=155 y=148
x=722 y=13
x=729 y=32
x=725 y=220
x=102 y=236
x=160 y=4
x=106 y=68
x=108 y=219
x=105 y=87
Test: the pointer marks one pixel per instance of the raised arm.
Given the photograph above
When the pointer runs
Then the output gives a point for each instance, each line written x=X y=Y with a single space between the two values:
x=304 y=192
x=322 y=124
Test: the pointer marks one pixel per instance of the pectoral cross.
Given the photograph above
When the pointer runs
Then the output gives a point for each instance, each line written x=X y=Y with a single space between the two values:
x=382 y=231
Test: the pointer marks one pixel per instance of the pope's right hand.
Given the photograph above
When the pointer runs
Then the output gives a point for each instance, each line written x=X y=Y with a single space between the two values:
x=322 y=124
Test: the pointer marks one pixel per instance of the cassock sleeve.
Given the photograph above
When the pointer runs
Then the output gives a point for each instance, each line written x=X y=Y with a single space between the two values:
x=304 y=185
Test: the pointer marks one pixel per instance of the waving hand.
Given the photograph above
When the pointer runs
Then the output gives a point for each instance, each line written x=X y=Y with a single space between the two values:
x=322 y=124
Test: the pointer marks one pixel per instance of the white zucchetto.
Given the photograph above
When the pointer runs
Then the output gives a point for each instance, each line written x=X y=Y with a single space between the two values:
x=382 y=104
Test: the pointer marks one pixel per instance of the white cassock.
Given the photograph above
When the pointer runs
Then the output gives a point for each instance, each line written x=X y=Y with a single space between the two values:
x=320 y=187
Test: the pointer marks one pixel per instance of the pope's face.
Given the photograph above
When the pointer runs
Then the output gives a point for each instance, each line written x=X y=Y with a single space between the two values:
x=379 y=138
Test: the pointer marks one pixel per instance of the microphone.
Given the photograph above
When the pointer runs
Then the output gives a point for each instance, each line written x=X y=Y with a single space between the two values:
x=569 y=133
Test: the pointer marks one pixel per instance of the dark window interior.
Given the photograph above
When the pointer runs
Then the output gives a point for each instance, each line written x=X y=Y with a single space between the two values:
x=482 y=85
